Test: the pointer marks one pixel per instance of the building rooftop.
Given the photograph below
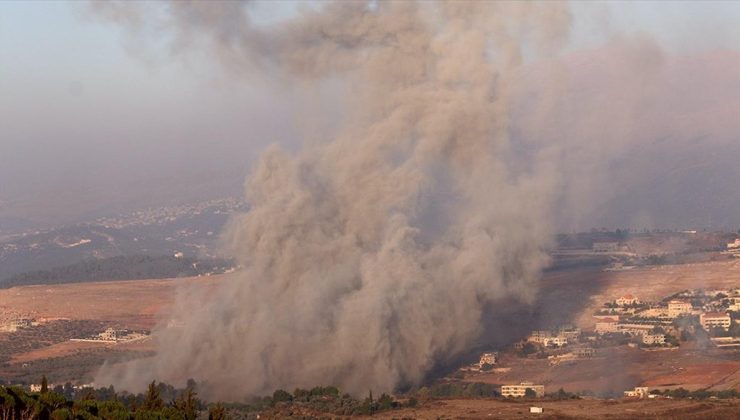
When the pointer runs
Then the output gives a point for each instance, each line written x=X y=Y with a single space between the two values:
x=715 y=314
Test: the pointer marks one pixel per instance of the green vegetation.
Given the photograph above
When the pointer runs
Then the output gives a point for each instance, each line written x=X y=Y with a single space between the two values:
x=120 y=268
x=458 y=389
x=561 y=394
x=162 y=401
x=528 y=348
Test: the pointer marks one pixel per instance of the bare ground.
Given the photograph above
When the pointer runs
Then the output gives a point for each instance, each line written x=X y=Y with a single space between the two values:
x=568 y=409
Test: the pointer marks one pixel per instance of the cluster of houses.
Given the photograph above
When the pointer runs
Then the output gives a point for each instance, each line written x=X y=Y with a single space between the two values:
x=561 y=338
x=17 y=323
x=646 y=322
x=112 y=335
x=628 y=315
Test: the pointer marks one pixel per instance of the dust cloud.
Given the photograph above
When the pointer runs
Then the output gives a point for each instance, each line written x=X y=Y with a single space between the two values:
x=368 y=257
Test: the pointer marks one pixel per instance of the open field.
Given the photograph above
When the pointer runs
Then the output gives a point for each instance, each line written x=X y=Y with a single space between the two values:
x=131 y=304
x=78 y=310
x=581 y=409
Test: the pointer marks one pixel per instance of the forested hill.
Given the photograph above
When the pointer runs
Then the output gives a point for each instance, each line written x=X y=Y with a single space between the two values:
x=120 y=268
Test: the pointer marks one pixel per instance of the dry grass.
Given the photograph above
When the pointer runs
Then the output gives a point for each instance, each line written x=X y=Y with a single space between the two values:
x=133 y=304
x=585 y=408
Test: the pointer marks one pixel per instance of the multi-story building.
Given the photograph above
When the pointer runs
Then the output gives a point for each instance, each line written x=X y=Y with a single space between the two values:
x=555 y=341
x=653 y=339
x=570 y=332
x=607 y=325
x=635 y=329
x=538 y=336
x=520 y=390
x=711 y=320
x=585 y=352
x=677 y=308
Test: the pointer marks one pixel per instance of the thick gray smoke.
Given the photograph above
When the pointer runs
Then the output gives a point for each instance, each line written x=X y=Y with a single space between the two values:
x=368 y=258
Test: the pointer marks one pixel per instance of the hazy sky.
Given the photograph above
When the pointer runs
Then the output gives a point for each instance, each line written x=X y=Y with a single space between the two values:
x=85 y=109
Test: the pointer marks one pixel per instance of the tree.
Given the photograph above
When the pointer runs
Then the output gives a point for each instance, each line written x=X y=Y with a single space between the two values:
x=385 y=402
x=281 y=396
x=217 y=412
x=528 y=348
x=187 y=404
x=44 y=385
x=152 y=400
x=529 y=393
x=734 y=329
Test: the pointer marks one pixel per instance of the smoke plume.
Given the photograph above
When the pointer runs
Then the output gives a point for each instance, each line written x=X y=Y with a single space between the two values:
x=368 y=257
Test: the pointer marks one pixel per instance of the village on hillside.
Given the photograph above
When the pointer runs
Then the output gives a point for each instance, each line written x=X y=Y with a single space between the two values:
x=708 y=317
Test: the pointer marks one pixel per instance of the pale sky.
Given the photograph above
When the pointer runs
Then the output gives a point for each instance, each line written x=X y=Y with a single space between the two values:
x=85 y=111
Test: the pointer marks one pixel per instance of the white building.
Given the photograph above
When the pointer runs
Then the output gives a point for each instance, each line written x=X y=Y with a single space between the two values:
x=653 y=339
x=735 y=305
x=607 y=325
x=555 y=341
x=677 y=308
x=535 y=410
x=711 y=320
x=111 y=334
x=635 y=329
x=626 y=300
x=638 y=392
x=520 y=390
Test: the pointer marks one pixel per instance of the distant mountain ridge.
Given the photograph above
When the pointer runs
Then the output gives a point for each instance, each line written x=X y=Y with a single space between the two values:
x=192 y=230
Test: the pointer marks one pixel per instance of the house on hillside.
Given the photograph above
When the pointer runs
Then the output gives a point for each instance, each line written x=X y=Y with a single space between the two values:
x=677 y=308
x=626 y=300
x=487 y=359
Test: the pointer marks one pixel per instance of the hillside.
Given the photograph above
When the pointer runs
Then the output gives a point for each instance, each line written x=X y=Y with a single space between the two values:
x=120 y=268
